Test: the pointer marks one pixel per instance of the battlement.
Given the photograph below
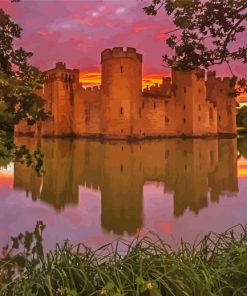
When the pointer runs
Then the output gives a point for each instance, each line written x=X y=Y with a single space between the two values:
x=63 y=76
x=61 y=72
x=200 y=73
x=120 y=52
x=221 y=82
x=60 y=65
x=179 y=105
x=186 y=78
x=159 y=90
x=91 y=89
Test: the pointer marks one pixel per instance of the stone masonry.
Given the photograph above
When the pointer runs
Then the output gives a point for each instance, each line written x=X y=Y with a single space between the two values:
x=185 y=105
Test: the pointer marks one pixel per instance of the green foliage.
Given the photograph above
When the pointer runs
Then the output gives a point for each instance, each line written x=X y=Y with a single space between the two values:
x=215 y=266
x=18 y=101
x=204 y=33
x=242 y=117
x=18 y=79
x=242 y=145
x=207 y=28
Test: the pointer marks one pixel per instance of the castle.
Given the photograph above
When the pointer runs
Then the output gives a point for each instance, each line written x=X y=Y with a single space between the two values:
x=184 y=105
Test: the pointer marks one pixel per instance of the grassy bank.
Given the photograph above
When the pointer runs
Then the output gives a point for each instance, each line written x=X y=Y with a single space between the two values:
x=215 y=266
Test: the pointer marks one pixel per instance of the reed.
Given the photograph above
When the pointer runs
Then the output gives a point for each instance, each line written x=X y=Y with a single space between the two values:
x=217 y=265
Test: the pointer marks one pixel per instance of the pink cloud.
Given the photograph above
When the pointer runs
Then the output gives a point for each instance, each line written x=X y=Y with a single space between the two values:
x=54 y=30
x=86 y=7
x=143 y=26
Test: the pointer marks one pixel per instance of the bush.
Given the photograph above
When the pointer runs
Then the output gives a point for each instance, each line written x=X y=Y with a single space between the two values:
x=215 y=266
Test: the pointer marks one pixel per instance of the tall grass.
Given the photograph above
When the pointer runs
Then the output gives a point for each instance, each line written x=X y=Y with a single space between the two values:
x=215 y=266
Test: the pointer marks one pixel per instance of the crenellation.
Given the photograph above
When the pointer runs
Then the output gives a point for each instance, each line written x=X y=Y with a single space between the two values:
x=120 y=52
x=200 y=74
x=184 y=104
x=163 y=90
x=60 y=65
x=91 y=89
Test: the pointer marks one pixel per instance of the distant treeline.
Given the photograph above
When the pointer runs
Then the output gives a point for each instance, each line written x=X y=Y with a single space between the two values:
x=242 y=117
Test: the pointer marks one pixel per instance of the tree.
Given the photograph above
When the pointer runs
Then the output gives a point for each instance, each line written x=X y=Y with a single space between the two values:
x=204 y=33
x=242 y=117
x=18 y=82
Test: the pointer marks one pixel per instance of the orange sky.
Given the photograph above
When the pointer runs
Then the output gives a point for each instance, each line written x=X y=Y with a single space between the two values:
x=94 y=78
x=242 y=167
x=242 y=98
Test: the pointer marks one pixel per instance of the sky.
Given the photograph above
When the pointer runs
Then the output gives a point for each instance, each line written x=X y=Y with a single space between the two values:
x=75 y=32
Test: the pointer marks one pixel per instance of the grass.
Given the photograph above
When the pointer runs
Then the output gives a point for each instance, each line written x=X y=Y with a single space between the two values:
x=217 y=265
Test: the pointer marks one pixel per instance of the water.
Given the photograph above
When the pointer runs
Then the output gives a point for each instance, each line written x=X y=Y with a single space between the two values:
x=95 y=192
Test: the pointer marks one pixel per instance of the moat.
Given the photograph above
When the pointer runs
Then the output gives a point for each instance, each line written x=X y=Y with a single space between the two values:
x=94 y=192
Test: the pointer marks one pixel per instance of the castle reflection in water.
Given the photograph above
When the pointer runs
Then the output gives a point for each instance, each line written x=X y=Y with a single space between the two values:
x=193 y=170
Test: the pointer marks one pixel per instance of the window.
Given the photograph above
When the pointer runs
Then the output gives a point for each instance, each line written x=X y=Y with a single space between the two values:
x=184 y=107
x=121 y=131
x=121 y=69
x=184 y=89
x=211 y=114
x=166 y=120
x=184 y=120
x=87 y=115
x=121 y=111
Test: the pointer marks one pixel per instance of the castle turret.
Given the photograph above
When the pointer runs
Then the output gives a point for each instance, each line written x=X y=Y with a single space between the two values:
x=59 y=86
x=195 y=115
x=220 y=90
x=121 y=92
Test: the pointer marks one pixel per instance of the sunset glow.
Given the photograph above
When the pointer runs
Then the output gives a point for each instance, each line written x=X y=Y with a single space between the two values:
x=76 y=32
x=242 y=99
x=242 y=168
x=6 y=176
x=88 y=79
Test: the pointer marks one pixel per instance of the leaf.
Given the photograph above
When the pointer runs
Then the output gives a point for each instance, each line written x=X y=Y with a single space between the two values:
x=110 y=286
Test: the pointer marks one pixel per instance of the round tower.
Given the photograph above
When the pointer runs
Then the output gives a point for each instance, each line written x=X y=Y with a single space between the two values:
x=121 y=92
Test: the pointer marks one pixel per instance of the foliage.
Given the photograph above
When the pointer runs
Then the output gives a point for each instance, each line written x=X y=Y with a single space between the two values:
x=18 y=80
x=215 y=266
x=242 y=117
x=204 y=33
x=242 y=145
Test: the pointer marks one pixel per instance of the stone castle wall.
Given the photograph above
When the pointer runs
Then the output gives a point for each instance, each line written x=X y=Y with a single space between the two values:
x=183 y=105
x=87 y=110
x=219 y=91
